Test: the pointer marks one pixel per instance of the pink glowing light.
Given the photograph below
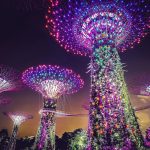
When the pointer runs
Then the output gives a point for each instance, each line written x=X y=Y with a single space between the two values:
x=18 y=118
x=52 y=81
x=52 y=89
x=77 y=25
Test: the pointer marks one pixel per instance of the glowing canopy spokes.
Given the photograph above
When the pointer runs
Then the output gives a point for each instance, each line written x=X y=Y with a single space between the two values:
x=52 y=81
x=18 y=118
x=52 y=88
x=99 y=23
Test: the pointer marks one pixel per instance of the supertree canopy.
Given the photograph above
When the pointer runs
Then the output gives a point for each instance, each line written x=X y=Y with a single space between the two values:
x=99 y=29
x=52 y=82
x=17 y=118
x=77 y=25
x=9 y=80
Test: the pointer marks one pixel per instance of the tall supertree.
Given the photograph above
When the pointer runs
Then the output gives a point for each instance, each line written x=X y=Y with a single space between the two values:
x=17 y=118
x=99 y=29
x=52 y=82
x=9 y=79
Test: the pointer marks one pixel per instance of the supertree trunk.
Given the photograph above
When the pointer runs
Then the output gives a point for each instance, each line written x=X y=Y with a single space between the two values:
x=131 y=119
x=46 y=132
x=12 y=142
x=112 y=122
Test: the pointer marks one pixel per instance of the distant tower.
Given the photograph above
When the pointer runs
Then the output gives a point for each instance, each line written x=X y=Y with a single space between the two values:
x=18 y=119
x=100 y=29
x=9 y=79
x=52 y=82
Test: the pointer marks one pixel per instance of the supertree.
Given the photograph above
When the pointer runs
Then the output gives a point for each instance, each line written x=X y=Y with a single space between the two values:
x=52 y=82
x=17 y=118
x=9 y=79
x=98 y=28
x=139 y=84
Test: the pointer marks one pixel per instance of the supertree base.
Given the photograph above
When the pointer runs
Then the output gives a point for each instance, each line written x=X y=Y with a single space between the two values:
x=46 y=133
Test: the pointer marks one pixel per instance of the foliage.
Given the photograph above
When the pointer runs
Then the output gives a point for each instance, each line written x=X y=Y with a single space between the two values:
x=78 y=140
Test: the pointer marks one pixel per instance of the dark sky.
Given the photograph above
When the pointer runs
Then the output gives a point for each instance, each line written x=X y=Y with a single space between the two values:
x=25 y=42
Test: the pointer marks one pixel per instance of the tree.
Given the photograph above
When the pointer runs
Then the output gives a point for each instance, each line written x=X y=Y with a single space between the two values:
x=78 y=140
x=4 y=139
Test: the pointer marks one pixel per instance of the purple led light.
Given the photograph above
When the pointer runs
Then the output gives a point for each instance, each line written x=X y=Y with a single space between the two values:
x=18 y=117
x=52 y=81
x=78 y=25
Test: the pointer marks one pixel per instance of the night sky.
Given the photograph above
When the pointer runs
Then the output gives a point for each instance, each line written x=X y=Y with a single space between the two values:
x=25 y=42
